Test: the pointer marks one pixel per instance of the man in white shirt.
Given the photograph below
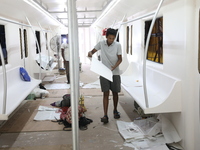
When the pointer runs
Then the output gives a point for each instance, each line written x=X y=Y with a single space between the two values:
x=111 y=57
x=65 y=56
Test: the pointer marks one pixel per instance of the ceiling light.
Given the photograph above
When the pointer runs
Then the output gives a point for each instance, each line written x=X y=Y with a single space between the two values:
x=42 y=10
x=110 y=6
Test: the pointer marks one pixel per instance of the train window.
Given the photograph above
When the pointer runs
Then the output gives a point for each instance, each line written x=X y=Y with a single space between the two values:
x=155 y=50
x=46 y=41
x=3 y=44
x=21 y=49
x=25 y=43
x=131 y=39
x=37 y=33
x=127 y=40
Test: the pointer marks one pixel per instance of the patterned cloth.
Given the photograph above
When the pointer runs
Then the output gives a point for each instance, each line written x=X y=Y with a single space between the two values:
x=68 y=115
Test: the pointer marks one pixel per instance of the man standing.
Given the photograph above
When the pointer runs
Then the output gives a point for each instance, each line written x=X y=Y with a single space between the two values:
x=65 y=55
x=111 y=57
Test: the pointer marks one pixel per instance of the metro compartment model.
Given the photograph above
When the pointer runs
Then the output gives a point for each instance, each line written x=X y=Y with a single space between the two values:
x=160 y=53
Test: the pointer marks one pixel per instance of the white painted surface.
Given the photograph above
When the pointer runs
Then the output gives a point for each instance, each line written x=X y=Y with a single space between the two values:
x=17 y=90
x=162 y=98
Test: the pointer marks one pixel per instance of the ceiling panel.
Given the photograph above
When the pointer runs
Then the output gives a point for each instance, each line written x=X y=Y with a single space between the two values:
x=86 y=9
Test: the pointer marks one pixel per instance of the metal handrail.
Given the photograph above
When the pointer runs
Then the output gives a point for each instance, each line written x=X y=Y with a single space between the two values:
x=138 y=18
x=145 y=54
x=37 y=46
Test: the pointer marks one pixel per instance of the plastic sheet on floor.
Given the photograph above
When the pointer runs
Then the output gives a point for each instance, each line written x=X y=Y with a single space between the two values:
x=148 y=134
x=46 y=113
x=59 y=86
x=93 y=85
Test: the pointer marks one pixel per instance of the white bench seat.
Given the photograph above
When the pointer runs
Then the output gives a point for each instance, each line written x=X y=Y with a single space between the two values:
x=164 y=91
x=17 y=91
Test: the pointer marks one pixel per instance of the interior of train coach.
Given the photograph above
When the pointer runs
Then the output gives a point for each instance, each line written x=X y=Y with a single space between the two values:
x=159 y=98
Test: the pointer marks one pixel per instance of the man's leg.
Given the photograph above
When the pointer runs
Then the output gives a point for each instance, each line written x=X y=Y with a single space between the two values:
x=115 y=100
x=116 y=87
x=67 y=71
x=105 y=102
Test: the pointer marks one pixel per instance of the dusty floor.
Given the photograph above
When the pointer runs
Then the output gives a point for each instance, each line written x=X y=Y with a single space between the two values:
x=97 y=137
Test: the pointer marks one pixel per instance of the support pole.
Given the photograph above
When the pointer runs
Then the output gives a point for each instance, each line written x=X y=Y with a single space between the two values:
x=74 y=69
x=37 y=46
x=119 y=28
x=4 y=81
x=43 y=32
x=145 y=54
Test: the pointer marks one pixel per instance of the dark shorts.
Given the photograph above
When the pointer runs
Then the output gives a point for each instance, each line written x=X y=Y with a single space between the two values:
x=107 y=85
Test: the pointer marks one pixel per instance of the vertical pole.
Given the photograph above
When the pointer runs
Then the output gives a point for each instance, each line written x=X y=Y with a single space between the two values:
x=119 y=27
x=74 y=69
x=45 y=42
x=4 y=81
x=37 y=46
x=145 y=54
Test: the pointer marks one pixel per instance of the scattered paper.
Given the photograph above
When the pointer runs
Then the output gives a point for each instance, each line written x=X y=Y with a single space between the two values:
x=41 y=108
x=148 y=134
x=93 y=85
x=169 y=131
x=101 y=69
x=59 y=86
x=46 y=113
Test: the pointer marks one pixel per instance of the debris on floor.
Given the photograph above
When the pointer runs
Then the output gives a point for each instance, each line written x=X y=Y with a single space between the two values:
x=150 y=133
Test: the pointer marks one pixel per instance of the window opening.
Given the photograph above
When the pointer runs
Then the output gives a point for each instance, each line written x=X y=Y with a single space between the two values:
x=25 y=43
x=155 y=50
x=37 y=33
x=46 y=41
x=3 y=44
x=127 y=40
x=131 y=40
x=20 y=37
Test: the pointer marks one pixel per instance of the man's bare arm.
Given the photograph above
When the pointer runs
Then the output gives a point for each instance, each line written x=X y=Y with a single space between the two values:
x=90 y=53
x=118 y=62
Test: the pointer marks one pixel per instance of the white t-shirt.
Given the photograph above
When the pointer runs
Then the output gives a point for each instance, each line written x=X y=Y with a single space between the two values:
x=109 y=54
x=65 y=46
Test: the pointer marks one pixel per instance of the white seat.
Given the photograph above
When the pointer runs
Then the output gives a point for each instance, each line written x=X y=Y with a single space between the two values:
x=164 y=91
x=17 y=91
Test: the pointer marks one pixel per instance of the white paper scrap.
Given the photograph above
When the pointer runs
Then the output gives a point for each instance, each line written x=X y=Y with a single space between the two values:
x=101 y=69
x=168 y=130
x=46 y=115
x=44 y=108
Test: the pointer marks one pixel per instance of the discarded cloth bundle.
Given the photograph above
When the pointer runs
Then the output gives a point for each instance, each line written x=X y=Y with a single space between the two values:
x=66 y=118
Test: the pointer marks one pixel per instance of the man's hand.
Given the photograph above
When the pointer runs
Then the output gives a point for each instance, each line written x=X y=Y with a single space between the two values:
x=112 y=68
x=90 y=54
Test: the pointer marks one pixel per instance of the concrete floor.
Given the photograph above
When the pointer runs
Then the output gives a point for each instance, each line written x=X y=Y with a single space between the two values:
x=97 y=137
